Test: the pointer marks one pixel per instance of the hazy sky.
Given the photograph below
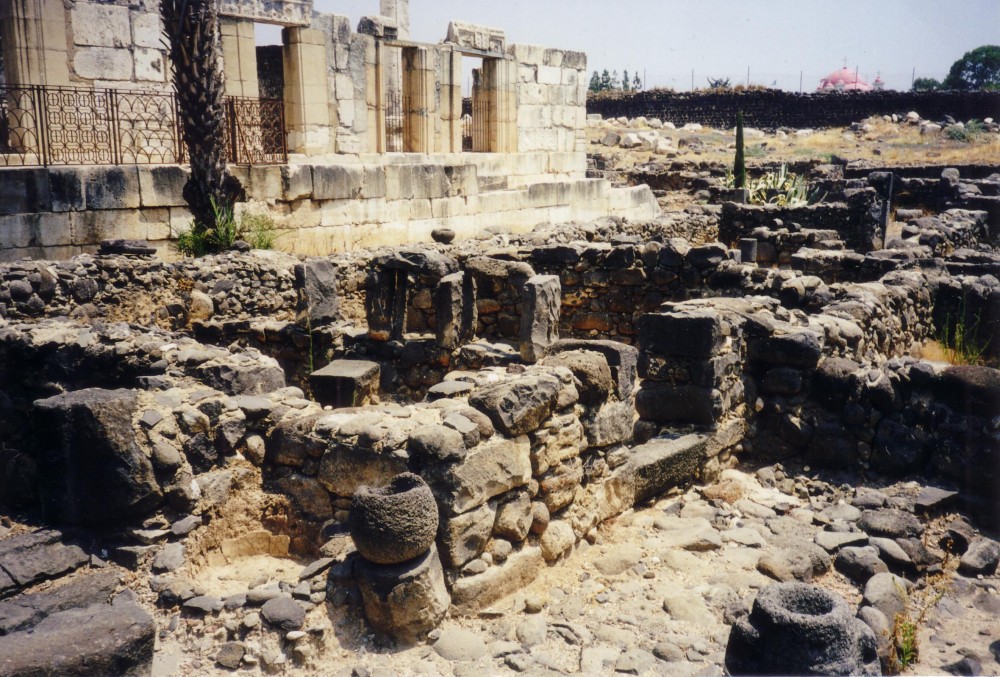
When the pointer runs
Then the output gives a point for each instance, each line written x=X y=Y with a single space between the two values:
x=776 y=39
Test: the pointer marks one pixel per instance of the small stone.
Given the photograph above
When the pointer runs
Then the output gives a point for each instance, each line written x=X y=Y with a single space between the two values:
x=859 y=564
x=251 y=620
x=170 y=557
x=186 y=525
x=668 y=652
x=459 y=644
x=476 y=566
x=284 y=613
x=933 y=498
x=230 y=654
x=316 y=567
x=966 y=667
x=890 y=523
x=533 y=603
x=887 y=593
x=261 y=594
x=203 y=604
x=531 y=631
x=981 y=558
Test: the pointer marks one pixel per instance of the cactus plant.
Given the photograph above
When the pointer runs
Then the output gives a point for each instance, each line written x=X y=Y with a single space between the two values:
x=739 y=166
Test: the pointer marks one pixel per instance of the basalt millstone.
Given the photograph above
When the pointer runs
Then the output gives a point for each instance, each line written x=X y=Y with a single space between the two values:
x=396 y=523
x=801 y=629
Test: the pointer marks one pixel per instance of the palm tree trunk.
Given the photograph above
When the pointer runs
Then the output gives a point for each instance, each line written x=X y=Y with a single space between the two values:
x=192 y=31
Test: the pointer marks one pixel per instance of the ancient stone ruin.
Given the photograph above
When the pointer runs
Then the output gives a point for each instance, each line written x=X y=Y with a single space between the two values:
x=433 y=427
x=489 y=409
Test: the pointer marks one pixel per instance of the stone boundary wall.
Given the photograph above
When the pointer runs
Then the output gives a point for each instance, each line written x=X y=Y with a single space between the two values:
x=319 y=209
x=770 y=109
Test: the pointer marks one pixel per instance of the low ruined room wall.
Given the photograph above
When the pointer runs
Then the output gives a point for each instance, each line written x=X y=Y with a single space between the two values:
x=823 y=391
x=318 y=209
x=856 y=220
x=522 y=465
x=772 y=108
x=902 y=418
x=168 y=409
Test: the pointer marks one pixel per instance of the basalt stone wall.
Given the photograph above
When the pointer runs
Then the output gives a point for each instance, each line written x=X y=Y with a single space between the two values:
x=857 y=220
x=147 y=290
x=819 y=388
x=522 y=463
x=902 y=418
x=156 y=413
x=770 y=109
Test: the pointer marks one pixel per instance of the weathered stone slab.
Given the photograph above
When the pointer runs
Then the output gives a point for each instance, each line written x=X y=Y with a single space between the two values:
x=540 y=304
x=475 y=592
x=483 y=38
x=318 y=279
x=28 y=610
x=95 y=471
x=518 y=406
x=455 y=310
x=621 y=357
x=661 y=464
x=102 y=639
x=406 y=600
x=687 y=333
x=464 y=536
x=345 y=467
x=345 y=383
x=669 y=403
x=610 y=424
x=489 y=470
x=598 y=501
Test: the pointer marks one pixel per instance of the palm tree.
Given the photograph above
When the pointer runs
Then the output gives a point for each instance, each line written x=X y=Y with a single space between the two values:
x=192 y=32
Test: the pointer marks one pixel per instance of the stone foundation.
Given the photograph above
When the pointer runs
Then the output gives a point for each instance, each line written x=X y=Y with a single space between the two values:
x=318 y=209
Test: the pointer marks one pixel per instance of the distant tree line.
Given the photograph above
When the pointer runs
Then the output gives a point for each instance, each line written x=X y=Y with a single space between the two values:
x=608 y=82
x=978 y=69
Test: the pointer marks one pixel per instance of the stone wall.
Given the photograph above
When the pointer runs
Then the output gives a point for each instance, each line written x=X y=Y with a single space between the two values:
x=822 y=390
x=116 y=44
x=350 y=68
x=855 y=221
x=318 y=209
x=523 y=464
x=551 y=93
x=770 y=109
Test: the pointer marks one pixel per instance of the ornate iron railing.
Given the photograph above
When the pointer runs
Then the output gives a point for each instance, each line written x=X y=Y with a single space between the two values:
x=42 y=126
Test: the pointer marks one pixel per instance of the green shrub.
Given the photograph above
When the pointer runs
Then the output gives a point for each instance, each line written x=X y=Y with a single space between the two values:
x=782 y=188
x=960 y=340
x=969 y=133
x=257 y=230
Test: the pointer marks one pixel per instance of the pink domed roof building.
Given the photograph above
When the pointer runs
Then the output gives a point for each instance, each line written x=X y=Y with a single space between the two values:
x=843 y=79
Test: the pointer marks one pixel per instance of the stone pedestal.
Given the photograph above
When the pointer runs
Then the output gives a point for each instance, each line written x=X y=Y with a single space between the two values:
x=540 y=316
x=455 y=308
x=345 y=383
x=405 y=600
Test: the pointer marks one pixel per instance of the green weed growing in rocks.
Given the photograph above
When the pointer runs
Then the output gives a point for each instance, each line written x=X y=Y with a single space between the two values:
x=257 y=230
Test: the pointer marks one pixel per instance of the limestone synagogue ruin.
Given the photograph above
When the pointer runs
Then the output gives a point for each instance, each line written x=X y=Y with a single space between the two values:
x=359 y=355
